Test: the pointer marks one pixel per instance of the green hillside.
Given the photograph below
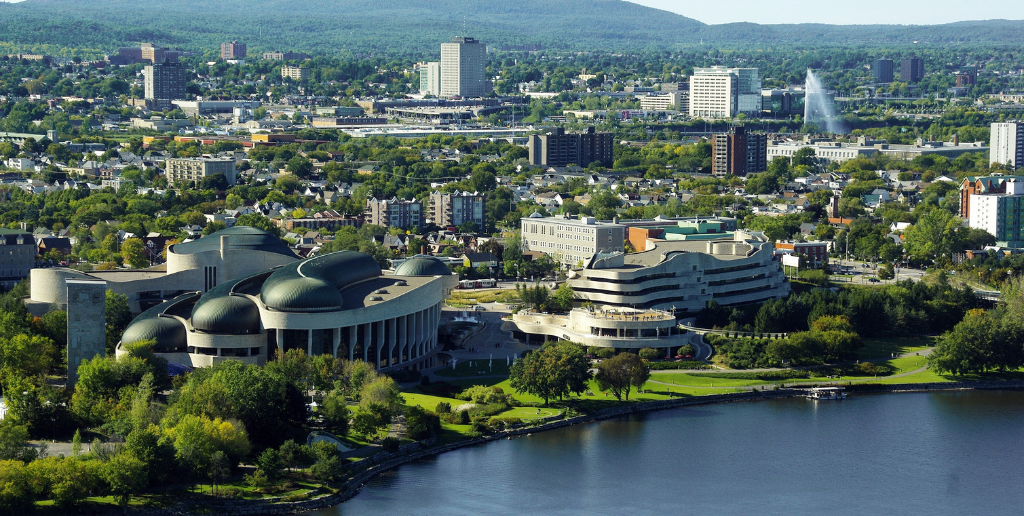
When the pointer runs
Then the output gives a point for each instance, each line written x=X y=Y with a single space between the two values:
x=415 y=27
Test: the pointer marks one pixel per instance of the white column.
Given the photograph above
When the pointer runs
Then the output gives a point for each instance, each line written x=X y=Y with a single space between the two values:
x=309 y=343
x=335 y=341
x=280 y=341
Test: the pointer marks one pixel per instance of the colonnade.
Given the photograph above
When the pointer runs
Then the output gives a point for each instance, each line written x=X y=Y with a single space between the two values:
x=386 y=343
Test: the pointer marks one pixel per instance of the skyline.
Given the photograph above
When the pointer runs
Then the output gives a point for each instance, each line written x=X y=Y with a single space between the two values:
x=865 y=13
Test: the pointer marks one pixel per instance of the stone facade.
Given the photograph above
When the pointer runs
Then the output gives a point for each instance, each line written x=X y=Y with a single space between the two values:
x=87 y=308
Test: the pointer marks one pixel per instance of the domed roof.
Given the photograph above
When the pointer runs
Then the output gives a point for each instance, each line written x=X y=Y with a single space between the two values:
x=227 y=315
x=314 y=284
x=239 y=237
x=299 y=294
x=168 y=332
x=422 y=266
x=536 y=215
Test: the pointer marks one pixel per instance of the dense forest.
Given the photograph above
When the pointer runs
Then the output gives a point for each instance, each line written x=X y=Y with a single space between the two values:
x=414 y=25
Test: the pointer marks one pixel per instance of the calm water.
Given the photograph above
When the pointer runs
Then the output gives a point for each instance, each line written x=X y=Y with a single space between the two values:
x=934 y=453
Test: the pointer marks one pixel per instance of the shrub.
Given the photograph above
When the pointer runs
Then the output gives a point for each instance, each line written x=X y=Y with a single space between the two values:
x=502 y=423
x=488 y=409
x=649 y=354
x=390 y=444
x=605 y=353
x=297 y=497
x=443 y=407
x=463 y=417
x=257 y=480
x=482 y=395
x=687 y=349
x=421 y=424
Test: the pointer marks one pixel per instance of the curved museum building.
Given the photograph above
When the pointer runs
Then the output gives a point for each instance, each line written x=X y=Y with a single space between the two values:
x=683 y=276
x=198 y=265
x=339 y=303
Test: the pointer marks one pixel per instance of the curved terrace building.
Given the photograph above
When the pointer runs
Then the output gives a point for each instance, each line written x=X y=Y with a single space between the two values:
x=684 y=275
x=339 y=304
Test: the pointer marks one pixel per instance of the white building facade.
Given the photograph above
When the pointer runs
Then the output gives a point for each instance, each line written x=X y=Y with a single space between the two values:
x=1007 y=144
x=463 y=68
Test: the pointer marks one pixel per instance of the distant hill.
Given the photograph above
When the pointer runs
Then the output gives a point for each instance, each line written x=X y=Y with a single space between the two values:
x=418 y=26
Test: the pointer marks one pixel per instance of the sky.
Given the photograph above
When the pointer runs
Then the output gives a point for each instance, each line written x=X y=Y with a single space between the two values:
x=902 y=12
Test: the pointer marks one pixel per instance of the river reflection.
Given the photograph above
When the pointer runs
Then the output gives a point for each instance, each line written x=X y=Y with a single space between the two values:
x=919 y=453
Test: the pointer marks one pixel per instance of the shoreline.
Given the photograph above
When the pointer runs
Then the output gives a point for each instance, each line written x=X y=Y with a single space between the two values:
x=351 y=487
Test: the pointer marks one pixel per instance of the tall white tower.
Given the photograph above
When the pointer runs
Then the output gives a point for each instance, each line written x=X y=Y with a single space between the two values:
x=464 y=68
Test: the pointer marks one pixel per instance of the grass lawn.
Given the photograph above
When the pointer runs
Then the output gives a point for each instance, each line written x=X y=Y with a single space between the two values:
x=472 y=297
x=528 y=413
x=428 y=402
x=697 y=380
x=882 y=348
x=479 y=368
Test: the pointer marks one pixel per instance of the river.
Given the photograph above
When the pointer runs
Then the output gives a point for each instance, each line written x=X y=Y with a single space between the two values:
x=915 y=453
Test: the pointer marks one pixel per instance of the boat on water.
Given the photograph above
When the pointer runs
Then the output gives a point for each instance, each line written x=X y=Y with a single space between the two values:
x=826 y=393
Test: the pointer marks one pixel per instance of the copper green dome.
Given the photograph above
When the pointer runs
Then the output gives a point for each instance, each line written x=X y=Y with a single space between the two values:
x=236 y=315
x=303 y=294
x=422 y=266
x=314 y=284
x=168 y=332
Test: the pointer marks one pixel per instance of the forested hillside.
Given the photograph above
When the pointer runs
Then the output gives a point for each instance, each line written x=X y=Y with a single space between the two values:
x=415 y=27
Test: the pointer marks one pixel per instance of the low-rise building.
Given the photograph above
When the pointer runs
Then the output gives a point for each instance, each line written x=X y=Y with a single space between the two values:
x=296 y=73
x=197 y=169
x=571 y=241
x=457 y=208
x=394 y=212
x=17 y=256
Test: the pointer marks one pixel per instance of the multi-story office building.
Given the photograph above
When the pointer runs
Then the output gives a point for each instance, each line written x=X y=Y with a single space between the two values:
x=674 y=86
x=882 y=70
x=285 y=56
x=17 y=256
x=571 y=241
x=912 y=69
x=739 y=153
x=430 y=78
x=165 y=82
x=457 y=208
x=295 y=73
x=558 y=148
x=783 y=102
x=464 y=68
x=232 y=50
x=720 y=92
x=1000 y=213
x=196 y=169
x=1007 y=140
x=395 y=212
x=669 y=101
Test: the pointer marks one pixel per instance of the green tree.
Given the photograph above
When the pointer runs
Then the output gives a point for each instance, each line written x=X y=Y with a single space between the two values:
x=553 y=371
x=270 y=463
x=621 y=373
x=335 y=414
x=126 y=476
x=134 y=253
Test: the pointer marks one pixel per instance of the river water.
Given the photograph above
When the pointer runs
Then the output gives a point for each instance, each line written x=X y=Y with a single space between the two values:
x=915 y=453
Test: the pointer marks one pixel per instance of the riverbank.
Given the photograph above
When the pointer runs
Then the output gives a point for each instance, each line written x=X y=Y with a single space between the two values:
x=416 y=451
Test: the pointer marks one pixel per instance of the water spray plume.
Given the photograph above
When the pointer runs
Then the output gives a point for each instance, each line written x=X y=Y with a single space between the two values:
x=818 y=108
